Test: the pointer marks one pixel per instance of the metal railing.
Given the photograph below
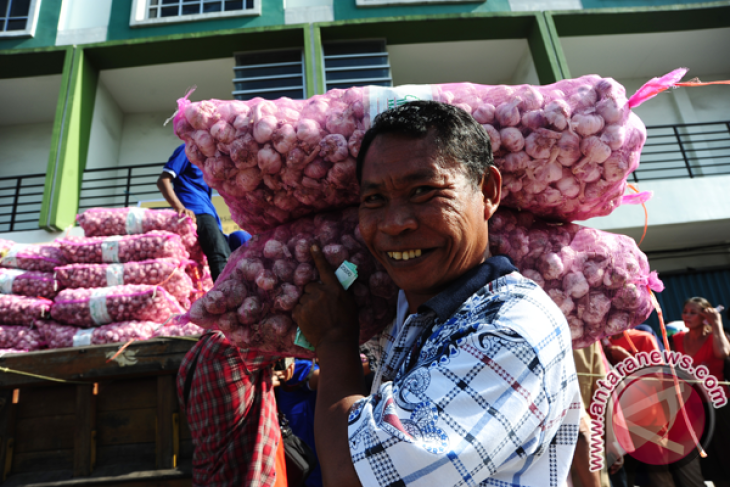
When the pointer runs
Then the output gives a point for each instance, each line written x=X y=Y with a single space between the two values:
x=120 y=186
x=671 y=152
x=685 y=150
x=21 y=198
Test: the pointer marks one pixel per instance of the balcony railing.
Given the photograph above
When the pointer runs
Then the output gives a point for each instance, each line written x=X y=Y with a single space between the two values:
x=20 y=202
x=671 y=152
x=688 y=150
x=119 y=186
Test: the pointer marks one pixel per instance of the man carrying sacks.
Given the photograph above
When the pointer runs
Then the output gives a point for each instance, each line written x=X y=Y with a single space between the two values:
x=182 y=185
x=476 y=382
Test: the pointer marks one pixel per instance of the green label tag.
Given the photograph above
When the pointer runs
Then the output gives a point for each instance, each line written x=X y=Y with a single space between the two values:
x=346 y=274
x=302 y=342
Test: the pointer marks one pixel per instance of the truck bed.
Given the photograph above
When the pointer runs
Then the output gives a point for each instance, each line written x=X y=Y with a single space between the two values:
x=102 y=423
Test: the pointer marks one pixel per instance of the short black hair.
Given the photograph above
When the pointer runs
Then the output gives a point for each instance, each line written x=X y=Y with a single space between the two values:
x=458 y=136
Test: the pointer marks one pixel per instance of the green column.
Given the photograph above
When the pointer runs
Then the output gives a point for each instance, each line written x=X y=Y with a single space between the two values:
x=543 y=49
x=70 y=142
x=314 y=60
x=553 y=31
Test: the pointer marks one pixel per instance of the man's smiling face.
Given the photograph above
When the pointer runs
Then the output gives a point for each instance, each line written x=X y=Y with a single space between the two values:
x=421 y=216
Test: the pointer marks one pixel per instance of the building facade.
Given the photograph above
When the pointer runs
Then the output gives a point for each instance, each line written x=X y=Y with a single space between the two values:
x=87 y=85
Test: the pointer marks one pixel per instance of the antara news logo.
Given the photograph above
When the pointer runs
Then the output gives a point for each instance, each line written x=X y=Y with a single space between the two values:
x=653 y=407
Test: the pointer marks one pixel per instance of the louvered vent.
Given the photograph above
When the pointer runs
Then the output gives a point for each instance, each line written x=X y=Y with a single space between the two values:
x=270 y=75
x=350 y=64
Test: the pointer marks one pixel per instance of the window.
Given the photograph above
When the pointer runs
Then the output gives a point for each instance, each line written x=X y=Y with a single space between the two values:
x=378 y=3
x=173 y=8
x=350 y=64
x=270 y=75
x=18 y=17
x=152 y=12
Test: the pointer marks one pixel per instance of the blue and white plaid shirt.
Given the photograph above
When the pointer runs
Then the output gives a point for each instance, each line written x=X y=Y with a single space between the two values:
x=491 y=399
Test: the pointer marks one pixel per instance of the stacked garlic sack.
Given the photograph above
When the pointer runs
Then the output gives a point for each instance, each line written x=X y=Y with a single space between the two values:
x=26 y=290
x=252 y=300
x=565 y=151
x=105 y=222
x=30 y=257
x=599 y=280
x=121 y=287
x=167 y=272
x=17 y=316
x=57 y=335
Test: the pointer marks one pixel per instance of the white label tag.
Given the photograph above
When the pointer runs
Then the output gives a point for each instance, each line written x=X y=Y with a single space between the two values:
x=110 y=249
x=7 y=276
x=11 y=257
x=82 y=338
x=115 y=275
x=134 y=221
x=97 y=306
x=382 y=98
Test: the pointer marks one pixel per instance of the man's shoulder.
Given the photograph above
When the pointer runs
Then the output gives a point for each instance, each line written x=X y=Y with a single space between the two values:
x=517 y=306
x=515 y=301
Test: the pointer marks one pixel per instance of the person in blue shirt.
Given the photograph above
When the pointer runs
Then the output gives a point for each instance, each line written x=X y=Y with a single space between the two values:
x=296 y=399
x=182 y=185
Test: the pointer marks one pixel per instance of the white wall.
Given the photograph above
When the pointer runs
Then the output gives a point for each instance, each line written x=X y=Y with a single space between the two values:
x=711 y=103
x=24 y=149
x=306 y=11
x=683 y=214
x=539 y=5
x=683 y=105
x=525 y=73
x=40 y=236
x=83 y=21
x=106 y=130
x=145 y=140
x=676 y=201
x=483 y=62
x=28 y=100
x=156 y=88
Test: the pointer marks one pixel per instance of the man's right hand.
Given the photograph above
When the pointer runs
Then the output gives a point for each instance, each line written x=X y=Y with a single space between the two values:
x=182 y=211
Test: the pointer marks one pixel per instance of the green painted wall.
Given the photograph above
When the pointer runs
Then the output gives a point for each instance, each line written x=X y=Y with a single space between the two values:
x=531 y=26
x=272 y=13
x=641 y=19
x=542 y=48
x=347 y=9
x=562 y=62
x=58 y=123
x=66 y=165
x=45 y=33
x=309 y=54
x=23 y=63
x=318 y=61
x=632 y=3
x=192 y=47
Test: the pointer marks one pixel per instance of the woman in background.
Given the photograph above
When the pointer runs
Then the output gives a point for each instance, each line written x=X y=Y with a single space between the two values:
x=706 y=342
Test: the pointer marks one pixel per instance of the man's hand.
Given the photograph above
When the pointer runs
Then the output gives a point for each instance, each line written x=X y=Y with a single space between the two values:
x=164 y=184
x=182 y=211
x=326 y=312
x=328 y=317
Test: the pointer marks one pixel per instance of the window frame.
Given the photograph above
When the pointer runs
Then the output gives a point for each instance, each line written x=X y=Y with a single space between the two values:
x=30 y=27
x=235 y=93
x=138 y=16
x=385 y=3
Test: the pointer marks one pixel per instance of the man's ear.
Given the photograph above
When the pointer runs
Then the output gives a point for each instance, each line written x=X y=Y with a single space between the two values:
x=491 y=190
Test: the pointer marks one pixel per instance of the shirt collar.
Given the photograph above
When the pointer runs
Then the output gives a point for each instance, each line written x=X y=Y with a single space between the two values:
x=449 y=300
